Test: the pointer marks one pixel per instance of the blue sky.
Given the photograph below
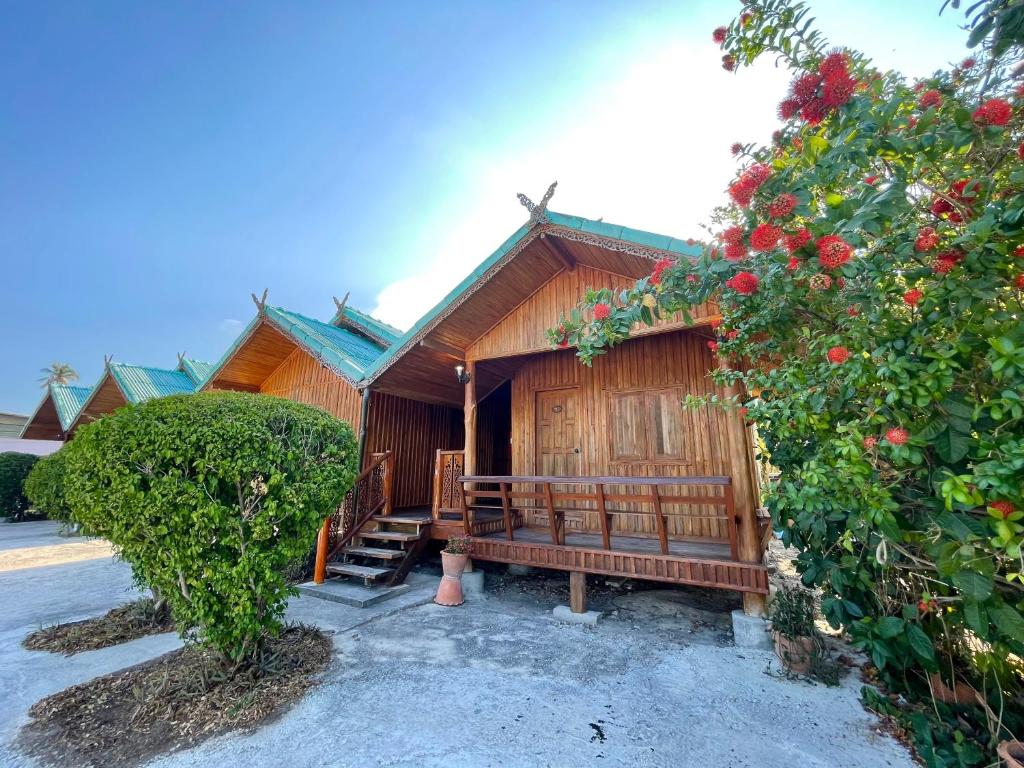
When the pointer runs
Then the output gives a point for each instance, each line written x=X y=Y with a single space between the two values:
x=160 y=161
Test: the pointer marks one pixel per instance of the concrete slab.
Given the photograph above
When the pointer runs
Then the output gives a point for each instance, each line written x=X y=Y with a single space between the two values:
x=352 y=593
x=564 y=613
x=750 y=631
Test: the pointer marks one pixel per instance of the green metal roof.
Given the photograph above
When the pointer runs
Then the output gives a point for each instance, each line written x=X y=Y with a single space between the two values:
x=198 y=370
x=68 y=401
x=139 y=383
x=347 y=352
x=375 y=328
x=598 y=228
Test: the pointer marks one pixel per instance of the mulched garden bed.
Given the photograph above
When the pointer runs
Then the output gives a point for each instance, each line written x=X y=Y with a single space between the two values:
x=119 y=625
x=173 y=702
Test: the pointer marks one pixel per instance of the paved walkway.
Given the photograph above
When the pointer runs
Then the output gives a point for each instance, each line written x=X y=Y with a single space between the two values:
x=496 y=682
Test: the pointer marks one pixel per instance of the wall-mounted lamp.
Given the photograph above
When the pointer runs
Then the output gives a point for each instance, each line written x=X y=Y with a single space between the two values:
x=461 y=375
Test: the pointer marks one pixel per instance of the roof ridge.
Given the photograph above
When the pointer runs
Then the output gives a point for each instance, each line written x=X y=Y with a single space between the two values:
x=368 y=316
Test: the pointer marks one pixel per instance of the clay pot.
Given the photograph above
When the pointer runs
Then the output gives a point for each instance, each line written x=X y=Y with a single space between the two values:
x=1012 y=753
x=795 y=653
x=449 y=591
x=453 y=565
x=960 y=693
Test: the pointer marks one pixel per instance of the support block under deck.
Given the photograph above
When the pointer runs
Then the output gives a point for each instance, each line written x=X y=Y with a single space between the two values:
x=565 y=613
x=750 y=631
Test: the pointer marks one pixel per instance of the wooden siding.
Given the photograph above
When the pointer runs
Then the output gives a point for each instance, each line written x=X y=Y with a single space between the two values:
x=45 y=424
x=413 y=431
x=660 y=368
x=106 y=399
x=305 y=380
x=522 y=330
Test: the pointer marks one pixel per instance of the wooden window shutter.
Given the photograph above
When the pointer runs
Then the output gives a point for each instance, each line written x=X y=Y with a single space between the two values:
x=668 y=425
x=627 y=426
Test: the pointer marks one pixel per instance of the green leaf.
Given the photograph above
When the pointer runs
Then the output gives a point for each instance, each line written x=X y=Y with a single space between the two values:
x=890 y=626
x=977 y=618
x=920 y=643
x=952 y=446
x=972 y=585
x=1009 y=622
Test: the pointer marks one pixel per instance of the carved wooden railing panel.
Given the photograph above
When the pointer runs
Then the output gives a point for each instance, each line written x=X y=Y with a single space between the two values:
x=448 y=468
x=369 y=495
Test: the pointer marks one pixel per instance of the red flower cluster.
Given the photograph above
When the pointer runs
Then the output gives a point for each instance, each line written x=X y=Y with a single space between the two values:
x=1019 y=281
x=719 y=35
x=967 y=63
x=852 y=311
x=733 y=334
x=1020 y=151
x=870 y=442
x=929 y=99
x=1019 y=251
x=946 y=261
x=742 y=191
x=816 y=94
x=870 y=180
x=993 y=112
x=765 y=237
x=735 y=252
x=964 y=192
x=927 y=239
x=601 y=311
x=1004 y=507
x=743 y=282
x=838 y=355
x=728 y=62
x=733 y=236
x=660 y=266
x=833 y=251
x=897 y=435
x=713 y=345
x=913 y=297
x=797 y=240
x=794 y=264
x=743 y=411
x=736 y=148
x=782 y=206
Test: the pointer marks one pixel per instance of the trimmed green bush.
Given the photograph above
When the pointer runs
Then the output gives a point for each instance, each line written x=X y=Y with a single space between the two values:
x=44 y=485
x=210 y=497
x=14 y=468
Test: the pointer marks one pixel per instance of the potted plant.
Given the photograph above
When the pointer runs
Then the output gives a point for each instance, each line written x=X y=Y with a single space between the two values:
x=1012 y=753
x=454 y=558
x=792 y=618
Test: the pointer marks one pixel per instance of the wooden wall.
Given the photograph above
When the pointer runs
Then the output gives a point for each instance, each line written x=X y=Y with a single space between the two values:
x=305 y=380
x=411 y=429
x=652 y=372
x=414 y=431
x=523 y=329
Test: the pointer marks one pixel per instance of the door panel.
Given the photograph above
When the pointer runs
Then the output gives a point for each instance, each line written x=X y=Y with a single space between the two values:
x=558 y=435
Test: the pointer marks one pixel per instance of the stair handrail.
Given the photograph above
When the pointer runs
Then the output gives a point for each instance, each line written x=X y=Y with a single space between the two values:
x=324 y=549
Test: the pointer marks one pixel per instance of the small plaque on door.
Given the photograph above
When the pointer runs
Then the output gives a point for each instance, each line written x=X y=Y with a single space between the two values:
x=556 y=409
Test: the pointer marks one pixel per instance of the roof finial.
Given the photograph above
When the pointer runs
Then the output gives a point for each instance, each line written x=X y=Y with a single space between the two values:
x=341 y=304
x=261 y=302
x=106 y=360
x=181 y=358
x=538 y=211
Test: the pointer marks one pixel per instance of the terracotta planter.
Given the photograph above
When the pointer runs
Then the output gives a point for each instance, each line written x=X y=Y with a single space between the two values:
x=449 y=591
x=960 y=693
x=453 y=565
x=795 y=653
x=1012 y=753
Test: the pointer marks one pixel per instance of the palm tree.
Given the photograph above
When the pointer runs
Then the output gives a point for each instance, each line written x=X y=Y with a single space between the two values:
x=58 y=373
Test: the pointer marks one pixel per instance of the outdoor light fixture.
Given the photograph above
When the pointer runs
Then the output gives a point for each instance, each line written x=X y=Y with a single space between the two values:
x=461 y=375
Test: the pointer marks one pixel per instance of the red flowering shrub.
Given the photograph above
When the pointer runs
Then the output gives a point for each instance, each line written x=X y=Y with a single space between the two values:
x=719 y=35
x=601 y=311
x=782 y=206
x=912 y=561
x=735 y=252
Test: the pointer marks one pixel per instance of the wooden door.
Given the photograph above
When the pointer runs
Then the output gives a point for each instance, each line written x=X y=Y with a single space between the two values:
x=558 y=433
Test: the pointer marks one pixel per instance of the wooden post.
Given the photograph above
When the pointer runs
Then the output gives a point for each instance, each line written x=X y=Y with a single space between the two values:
x=577 y=591
x=323 y=540
x=606 y=536
x=469 y=414
x=389 y=482
x=741 y=459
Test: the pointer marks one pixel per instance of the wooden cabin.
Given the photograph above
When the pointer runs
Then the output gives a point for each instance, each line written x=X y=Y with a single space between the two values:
x=56 y=413
x=122 y=384
x=540 y=459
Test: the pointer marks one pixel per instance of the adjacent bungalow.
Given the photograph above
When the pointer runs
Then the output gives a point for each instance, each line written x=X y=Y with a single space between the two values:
x=123 y=384
x=56 y=413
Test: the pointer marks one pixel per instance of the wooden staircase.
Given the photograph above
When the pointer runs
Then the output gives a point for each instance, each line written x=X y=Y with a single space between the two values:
x=383 y=549
x=363 y=540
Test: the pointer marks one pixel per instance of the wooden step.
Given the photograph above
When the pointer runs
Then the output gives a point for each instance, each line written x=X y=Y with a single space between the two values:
x=420 y=521
x=365 y=572
x=379 y=552
x=389 y=535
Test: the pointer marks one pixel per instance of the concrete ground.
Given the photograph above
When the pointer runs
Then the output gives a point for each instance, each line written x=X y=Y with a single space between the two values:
x=495 y=682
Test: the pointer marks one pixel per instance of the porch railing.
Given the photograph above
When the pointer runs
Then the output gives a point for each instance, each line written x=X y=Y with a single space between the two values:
x=369 y=495
x=558 y=503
